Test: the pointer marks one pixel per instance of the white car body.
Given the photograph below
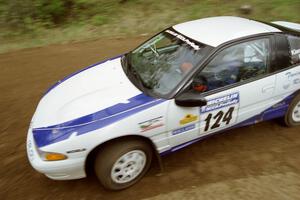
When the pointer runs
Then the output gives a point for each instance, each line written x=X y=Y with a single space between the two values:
x=99 y=104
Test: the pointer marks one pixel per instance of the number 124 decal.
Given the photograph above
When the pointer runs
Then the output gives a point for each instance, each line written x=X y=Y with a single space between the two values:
x=218 y=119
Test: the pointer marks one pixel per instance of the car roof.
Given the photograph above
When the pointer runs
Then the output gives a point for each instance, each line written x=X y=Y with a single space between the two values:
x=215 y=31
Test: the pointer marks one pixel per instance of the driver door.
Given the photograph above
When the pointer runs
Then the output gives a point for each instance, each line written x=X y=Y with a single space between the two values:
x=237 y=89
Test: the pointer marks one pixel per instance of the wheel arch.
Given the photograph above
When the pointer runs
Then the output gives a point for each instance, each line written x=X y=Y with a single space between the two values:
x=90 y=159
x=286 y=119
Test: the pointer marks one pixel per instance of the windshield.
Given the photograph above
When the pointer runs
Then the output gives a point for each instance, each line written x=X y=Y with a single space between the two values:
x=164 y=61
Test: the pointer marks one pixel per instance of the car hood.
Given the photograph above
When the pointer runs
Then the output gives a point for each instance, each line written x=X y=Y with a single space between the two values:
x=88 y=100
x=93 y=89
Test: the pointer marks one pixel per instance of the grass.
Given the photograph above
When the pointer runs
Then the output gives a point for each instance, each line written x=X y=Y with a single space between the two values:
x=136 y=17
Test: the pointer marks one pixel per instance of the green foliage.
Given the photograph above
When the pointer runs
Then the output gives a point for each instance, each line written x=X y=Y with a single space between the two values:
x=53 y=11
x=27 y=14
x=24 y=14
x=41 y=22
x=98 y=20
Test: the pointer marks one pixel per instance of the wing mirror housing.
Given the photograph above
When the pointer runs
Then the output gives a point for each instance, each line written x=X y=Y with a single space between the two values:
x=190 y=100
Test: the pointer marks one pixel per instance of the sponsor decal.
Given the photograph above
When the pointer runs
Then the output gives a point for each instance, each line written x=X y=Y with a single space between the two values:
x=292 y=75
x=220 y=102
x=151 y=124
x=188 y=118
x=219 y=112
x=76 y=150
x=292 y=79
x=184 y=39
x=184 y=129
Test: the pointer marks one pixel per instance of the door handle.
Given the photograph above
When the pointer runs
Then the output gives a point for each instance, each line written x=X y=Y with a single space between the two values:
x=268 y=88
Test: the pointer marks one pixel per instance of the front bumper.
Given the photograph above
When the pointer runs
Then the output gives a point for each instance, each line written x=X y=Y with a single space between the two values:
x=71 y=168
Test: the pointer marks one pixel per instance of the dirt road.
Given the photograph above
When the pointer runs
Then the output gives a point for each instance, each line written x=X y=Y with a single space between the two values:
x=256 y=162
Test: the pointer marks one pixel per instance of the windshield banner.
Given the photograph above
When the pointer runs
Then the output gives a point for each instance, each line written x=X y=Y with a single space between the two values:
x=181 y=37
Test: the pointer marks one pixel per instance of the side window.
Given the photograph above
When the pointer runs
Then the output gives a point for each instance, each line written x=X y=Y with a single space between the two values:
x=294 y=43
x=234 y=64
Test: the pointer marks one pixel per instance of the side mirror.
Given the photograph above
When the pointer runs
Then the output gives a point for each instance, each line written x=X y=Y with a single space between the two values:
x=190 y=100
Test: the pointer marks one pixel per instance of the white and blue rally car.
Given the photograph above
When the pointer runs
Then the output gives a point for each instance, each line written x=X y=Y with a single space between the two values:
x=189 y=81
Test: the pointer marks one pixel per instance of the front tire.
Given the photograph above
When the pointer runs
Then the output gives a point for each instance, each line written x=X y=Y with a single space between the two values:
x=292 y=117
x=122 y=163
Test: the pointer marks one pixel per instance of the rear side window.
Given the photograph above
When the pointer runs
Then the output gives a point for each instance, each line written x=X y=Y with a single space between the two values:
x=294 y=43
x=282 y=57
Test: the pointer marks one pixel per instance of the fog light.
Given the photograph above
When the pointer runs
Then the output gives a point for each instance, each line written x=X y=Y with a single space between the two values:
x=54 y=156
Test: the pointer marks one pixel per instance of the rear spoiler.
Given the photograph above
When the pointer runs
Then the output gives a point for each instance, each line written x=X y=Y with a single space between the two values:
x=290 y=25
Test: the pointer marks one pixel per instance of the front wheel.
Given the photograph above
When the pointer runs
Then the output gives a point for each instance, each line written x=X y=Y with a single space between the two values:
x=122 y=163
x=292 y=117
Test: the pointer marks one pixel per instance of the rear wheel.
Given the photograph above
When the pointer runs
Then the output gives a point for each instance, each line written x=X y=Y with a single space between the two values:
x=122 y=163
x=292 y=117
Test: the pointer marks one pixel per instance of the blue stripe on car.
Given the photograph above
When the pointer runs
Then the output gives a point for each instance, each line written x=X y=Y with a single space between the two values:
x=52 y=134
